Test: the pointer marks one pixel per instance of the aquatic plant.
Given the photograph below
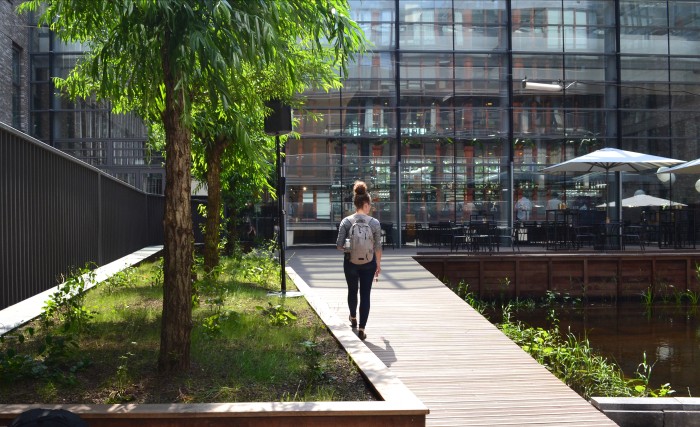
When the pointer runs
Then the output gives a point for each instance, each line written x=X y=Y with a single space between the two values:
x=572 y=360
x=648 y=297
x=643 y=378
x=470 y=297
x=692 y=297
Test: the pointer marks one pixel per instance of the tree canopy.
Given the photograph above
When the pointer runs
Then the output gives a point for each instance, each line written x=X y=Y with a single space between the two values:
x=158 y=57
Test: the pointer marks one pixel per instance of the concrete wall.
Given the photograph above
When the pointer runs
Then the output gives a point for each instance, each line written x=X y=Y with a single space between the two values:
x=651 y=412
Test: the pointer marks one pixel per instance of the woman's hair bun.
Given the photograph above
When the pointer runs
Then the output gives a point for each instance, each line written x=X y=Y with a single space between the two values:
x=359 y=187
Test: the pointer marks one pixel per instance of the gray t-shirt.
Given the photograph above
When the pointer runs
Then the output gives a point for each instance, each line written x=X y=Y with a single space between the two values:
x=346 y=223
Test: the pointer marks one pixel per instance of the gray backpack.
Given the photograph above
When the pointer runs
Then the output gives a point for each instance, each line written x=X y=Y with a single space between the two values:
x=361 y=241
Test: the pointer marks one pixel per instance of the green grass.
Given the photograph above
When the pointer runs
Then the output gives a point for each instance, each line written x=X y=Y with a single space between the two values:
x=239 y=352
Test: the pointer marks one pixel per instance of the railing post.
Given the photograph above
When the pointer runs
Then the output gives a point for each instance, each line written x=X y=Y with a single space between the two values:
x=100 y=225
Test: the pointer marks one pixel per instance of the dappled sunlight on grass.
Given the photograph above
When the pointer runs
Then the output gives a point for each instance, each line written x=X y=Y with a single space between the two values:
x=240 y=352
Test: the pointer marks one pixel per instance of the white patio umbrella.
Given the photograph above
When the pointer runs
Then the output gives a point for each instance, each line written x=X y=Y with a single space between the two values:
x=612 y=160
x=642 y=200
x=690 y=167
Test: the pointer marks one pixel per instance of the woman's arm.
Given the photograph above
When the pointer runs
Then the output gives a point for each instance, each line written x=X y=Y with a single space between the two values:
x=377 y=232
x=342 y=232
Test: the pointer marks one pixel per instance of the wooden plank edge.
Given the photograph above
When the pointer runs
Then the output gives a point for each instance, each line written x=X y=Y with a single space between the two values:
x=387 y=385
x=24 y=311
x=224 y=410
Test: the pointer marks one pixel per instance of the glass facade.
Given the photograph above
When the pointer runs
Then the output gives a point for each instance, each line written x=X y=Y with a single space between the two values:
x=86 y=129
x=436 y=119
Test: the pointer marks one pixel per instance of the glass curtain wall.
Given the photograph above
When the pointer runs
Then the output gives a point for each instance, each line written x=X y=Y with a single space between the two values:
x=660 y=88
x=471 y=139
x=86 y=129
x=572 y=44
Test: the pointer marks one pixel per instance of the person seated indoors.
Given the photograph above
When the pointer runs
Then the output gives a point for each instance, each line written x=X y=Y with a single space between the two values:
x=523 y=207
x=554 y=202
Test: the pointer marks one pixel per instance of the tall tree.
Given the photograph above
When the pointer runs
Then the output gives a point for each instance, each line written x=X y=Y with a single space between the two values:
x=155 y=57
x=215 y=156
x=241 y=125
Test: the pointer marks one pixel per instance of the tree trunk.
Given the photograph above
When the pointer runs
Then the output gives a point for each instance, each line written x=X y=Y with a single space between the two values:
x=232 y=235
x=211 y=231
x=176 y=323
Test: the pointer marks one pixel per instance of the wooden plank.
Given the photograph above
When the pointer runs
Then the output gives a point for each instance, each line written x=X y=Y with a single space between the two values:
x=453 y=359
x=607 y=275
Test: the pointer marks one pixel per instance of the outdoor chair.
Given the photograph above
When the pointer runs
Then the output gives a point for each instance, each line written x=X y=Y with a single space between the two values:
x=482 y=236
x=559 y=235
x=514 y=236
x=460 y=238
x=633 y=234
x=609 y=236
x=584 y=235
x=388 y=235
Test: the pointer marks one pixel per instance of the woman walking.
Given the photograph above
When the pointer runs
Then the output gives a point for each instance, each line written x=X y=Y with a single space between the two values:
x=359 y=235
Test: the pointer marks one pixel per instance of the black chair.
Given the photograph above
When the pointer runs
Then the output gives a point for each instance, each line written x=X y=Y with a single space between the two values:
x=514 y=236
x=609 y=236
x=445 y=231
x=460 y=238
x=388 y=234
x=633 y=234
x=559 y=235
x=481 y=218
x=418 y=227
x=482 y=236
x=535 y=233
x=584 y=235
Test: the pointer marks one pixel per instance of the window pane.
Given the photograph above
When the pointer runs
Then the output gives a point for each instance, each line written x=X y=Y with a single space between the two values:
x=152 y=183
x=643 y=27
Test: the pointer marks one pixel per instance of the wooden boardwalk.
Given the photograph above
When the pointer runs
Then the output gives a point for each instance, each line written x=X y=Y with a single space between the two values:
x=455 y=361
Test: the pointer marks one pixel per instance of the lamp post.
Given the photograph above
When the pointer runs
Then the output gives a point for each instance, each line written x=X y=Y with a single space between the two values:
x=280 y=122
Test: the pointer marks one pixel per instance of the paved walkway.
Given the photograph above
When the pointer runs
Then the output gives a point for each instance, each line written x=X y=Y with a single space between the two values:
x=456 y=362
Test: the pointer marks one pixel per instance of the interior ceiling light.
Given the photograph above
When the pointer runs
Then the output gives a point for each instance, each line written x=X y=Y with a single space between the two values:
x=546 y=87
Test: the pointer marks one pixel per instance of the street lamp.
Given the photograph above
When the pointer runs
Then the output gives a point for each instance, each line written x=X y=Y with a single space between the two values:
x=277 y=123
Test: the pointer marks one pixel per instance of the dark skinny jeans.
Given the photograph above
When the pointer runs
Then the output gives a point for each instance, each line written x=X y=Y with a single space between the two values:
x=364 y=274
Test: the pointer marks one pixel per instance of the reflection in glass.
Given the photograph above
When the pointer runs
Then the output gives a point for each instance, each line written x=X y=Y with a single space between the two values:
x=464 y=115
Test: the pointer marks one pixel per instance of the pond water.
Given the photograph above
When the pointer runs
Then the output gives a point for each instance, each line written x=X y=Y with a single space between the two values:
x=670 y=336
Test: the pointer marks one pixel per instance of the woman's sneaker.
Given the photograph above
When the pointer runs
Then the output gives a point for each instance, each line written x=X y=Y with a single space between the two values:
x=361 y=334
x=353 y=322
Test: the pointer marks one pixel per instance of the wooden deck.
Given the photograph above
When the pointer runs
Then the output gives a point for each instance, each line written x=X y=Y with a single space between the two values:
x=455 y=361
x=610 y=276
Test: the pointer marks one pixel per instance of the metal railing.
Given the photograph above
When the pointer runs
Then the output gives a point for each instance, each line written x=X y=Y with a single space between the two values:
x=58 y=213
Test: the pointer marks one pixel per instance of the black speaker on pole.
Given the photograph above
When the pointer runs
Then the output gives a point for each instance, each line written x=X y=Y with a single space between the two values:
x=280 y=119
x=280 y=122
